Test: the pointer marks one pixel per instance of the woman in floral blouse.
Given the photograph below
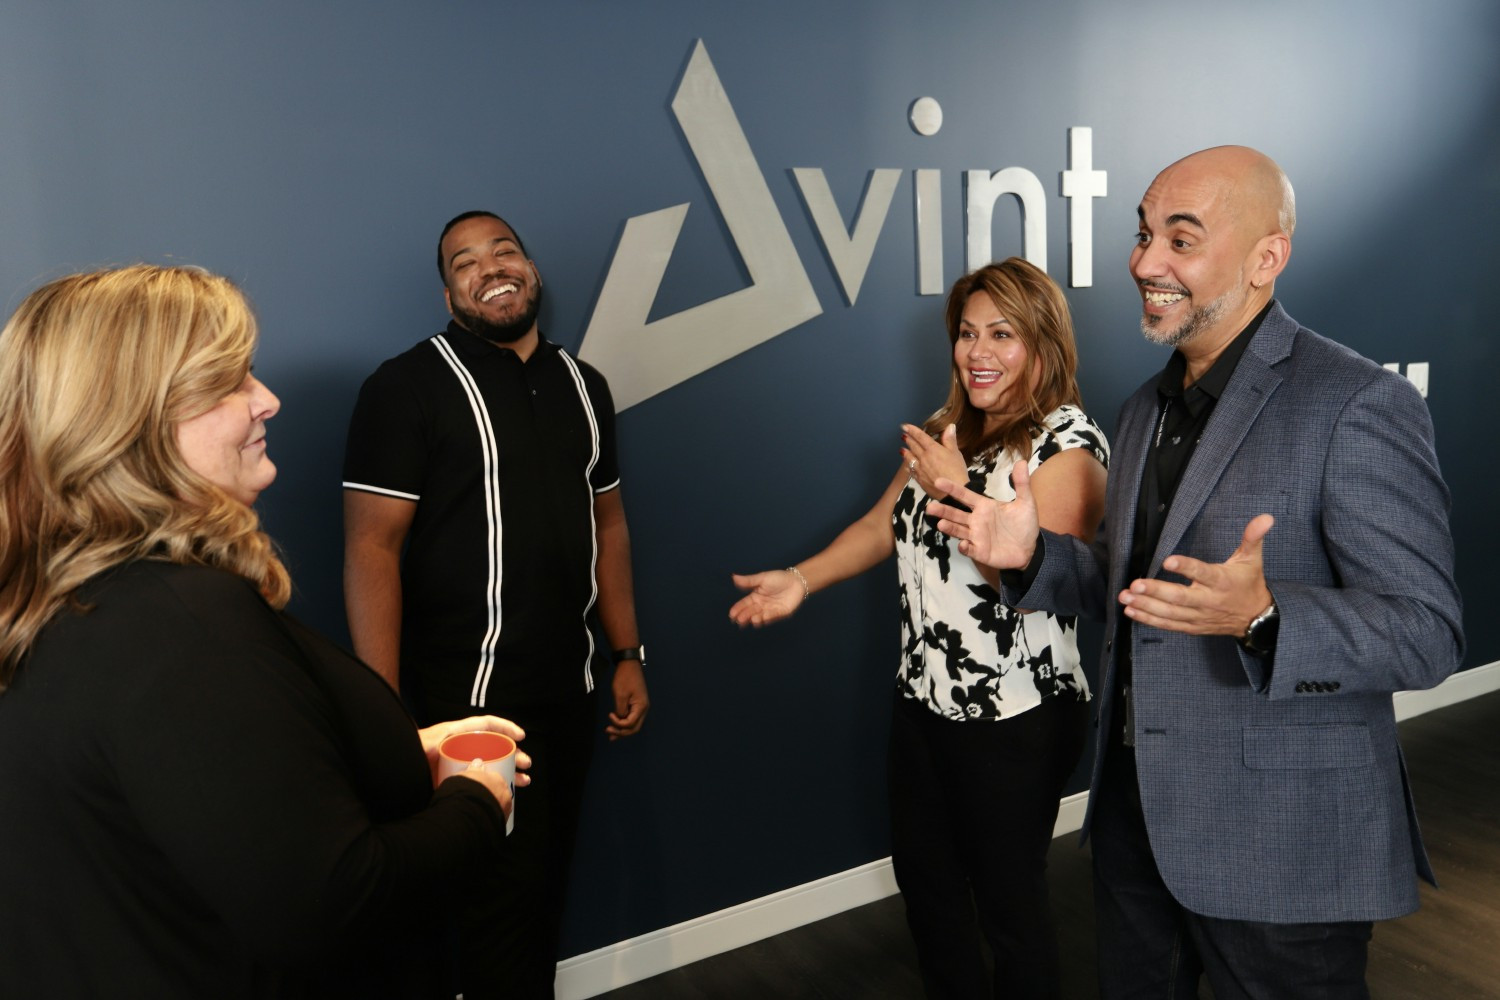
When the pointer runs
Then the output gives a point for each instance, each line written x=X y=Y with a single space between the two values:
x=990 y=703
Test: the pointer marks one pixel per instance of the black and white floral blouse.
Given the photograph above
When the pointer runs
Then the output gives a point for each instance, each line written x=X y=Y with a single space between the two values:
x=964 y=654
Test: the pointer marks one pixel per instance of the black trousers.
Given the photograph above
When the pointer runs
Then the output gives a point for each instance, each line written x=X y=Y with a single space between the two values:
x=973 y=804
x=1151 y=948
x=507 y=931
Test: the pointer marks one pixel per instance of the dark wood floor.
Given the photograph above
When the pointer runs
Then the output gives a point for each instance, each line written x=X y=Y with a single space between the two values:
x=1449 y=950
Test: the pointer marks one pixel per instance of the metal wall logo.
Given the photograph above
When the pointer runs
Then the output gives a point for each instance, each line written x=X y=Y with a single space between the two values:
x=645 y=358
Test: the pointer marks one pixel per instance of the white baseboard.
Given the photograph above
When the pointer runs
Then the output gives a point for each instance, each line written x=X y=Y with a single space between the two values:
x=671 y=947
x=660 y=951
x=1460 y=687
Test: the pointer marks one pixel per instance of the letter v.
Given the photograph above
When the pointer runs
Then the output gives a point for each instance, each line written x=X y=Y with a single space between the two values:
x=849 y=254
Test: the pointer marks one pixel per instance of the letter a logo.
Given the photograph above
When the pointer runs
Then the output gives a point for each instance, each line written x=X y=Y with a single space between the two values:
x=642 y=359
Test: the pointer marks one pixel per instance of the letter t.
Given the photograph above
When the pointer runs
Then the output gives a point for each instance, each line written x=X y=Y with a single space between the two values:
x=1082 y=181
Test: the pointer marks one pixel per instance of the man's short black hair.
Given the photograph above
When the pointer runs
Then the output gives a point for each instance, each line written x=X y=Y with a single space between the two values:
x=478 y=213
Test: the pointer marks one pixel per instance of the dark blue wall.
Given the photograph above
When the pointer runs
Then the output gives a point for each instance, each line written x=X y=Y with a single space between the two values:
x=312 y=150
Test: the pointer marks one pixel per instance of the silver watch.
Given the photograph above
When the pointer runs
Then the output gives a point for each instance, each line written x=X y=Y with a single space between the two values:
x=1260 y=634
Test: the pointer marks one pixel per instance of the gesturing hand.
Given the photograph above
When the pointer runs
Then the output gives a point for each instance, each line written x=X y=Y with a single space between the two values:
x=928 y=460
x=1219 y=598
x=774 y=595
x=994 y=534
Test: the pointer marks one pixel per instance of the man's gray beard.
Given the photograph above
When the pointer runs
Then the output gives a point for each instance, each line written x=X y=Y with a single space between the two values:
x=1197 y=321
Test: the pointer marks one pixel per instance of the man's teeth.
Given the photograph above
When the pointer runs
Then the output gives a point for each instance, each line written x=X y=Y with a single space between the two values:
x=1162 y=298
x=496 y=291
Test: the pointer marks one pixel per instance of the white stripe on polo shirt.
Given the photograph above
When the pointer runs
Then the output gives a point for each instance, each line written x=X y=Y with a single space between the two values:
x=367 y=488
x=588 y=411
x=495 y=530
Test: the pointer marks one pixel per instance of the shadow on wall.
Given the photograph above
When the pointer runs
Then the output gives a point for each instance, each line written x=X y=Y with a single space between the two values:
x=303 y=510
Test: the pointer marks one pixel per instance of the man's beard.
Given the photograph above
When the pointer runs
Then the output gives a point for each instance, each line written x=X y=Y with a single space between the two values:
x=1198 y=320
x=503 y=333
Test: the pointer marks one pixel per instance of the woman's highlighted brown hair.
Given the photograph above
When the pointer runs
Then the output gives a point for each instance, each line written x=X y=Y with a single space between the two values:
x=96 y=372
x=1038 y=313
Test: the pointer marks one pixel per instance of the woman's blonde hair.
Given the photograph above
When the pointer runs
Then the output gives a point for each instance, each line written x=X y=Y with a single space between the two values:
x=1038 y=313
x=97 y=370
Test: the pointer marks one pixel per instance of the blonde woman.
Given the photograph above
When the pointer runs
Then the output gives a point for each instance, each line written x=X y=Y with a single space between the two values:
x=202 y=797
x=990 y=704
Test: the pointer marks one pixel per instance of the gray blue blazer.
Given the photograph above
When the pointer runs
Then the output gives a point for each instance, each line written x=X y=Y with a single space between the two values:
x=1276 y=791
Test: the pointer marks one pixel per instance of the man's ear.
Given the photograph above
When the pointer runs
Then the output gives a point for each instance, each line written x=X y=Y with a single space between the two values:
x=447 y=300
x=1270 y=258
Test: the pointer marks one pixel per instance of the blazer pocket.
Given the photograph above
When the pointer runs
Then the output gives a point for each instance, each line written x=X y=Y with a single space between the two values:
x=1217 y=528
x=1284 y=747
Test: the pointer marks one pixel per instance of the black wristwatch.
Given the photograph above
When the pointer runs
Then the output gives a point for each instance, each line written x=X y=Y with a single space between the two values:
x=631 y=653
x=1260 y=635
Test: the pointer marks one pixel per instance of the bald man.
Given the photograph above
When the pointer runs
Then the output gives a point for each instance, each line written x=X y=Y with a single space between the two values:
x=1275 y=561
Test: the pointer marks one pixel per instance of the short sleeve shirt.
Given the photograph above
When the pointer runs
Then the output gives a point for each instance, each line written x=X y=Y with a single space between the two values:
x=964 y=654
x=503 y=459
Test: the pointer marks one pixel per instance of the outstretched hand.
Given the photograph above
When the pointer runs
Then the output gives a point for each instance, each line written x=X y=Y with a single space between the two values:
x=773 y=595
x=1219 y=598
x=994 y=534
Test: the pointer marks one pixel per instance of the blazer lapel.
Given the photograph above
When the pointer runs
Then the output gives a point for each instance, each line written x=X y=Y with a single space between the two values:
x=1249 y=389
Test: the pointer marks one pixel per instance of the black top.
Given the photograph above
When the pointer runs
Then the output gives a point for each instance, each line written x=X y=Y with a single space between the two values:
x=503 y=459
x=202 y=798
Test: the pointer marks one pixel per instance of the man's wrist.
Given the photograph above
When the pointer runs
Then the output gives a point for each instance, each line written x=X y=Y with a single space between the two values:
x=1259 y=638
x=636 y=652
x=1020 y=580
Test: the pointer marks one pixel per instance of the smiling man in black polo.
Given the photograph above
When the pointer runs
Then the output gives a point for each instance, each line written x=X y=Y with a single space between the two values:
x=488 y=454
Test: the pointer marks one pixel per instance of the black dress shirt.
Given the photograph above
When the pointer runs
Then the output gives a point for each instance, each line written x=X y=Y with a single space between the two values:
x=1184 y=413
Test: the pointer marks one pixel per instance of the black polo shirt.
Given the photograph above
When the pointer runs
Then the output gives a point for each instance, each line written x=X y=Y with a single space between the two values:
x=504 y=459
